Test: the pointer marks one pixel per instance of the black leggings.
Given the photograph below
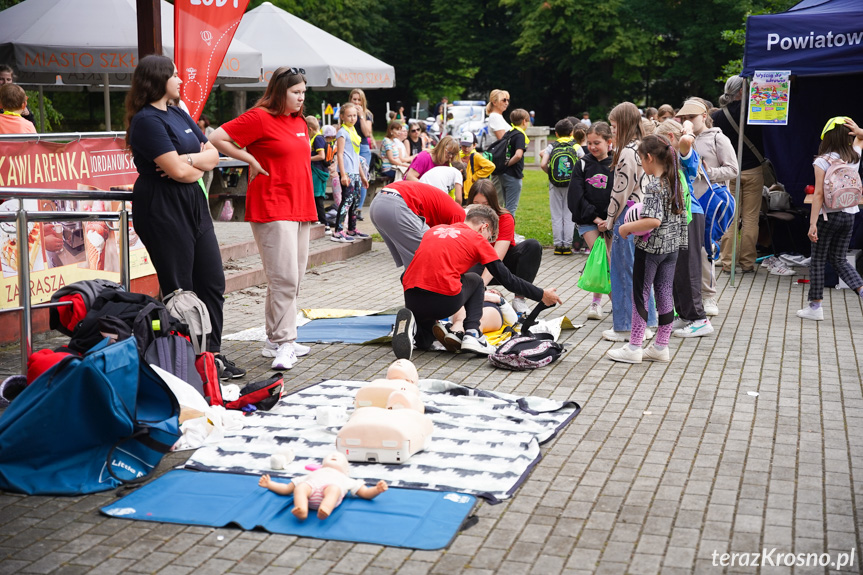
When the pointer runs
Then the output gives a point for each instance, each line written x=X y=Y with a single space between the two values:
x=429 y=307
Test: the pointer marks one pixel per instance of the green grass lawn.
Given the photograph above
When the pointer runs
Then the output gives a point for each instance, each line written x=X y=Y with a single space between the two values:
x=534 y=217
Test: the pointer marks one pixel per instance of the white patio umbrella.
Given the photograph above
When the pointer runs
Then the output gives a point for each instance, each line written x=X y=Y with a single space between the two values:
x=330 y=63
x=93 y=43
x=82 y=40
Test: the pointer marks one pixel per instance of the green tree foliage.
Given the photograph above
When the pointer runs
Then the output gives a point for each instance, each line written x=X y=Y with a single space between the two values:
x=737 y=37
x=52 y=116
x=557 y=57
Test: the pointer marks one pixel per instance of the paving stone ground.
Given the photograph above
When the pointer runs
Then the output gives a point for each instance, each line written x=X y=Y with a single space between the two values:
x=667 y=467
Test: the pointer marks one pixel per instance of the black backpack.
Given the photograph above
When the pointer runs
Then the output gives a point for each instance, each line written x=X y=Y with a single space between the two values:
x=144 y=315
x=527 y=351
x=561 y=163
x=498 y=151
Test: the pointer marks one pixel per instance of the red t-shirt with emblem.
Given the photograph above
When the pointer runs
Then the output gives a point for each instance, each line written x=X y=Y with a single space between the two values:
x=281 y=145
x=445 y=253
x=428 y=202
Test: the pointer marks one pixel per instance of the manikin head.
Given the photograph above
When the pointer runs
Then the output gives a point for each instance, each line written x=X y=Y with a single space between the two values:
x=403 y=369
x=338 y=461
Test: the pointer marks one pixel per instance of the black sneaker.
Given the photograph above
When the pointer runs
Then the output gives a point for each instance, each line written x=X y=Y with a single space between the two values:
x=451 y=340
x=565 y=251
x=227 y=368
x=403 y=334
x=558 y=250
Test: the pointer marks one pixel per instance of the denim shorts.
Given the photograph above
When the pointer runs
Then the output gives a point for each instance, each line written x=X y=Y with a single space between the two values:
x=583 y=229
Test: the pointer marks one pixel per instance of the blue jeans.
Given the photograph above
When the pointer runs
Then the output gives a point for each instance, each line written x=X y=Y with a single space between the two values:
x=365 y=152
x=511 y=187
x=622 y=261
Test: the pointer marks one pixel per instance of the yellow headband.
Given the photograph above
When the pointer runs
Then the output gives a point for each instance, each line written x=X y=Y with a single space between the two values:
x=832 y=122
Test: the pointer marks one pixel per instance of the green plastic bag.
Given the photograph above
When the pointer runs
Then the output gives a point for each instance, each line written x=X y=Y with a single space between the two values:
x=596 y=277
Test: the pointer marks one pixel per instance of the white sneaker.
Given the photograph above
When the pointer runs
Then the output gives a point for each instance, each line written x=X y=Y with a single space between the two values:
x=285 y=357
x=437 y=346
x=650 y=353
x=710 y=306
x=695 y=329
x=780 y=269
x=403 y=334
x=611 y=335
x=270 y=349
x=648 y=334
x=625 y=354
x=679 y=323
x=478 y=345
x=519 y=305
x=328 y=231
x=594 y=311
x=796 y=260
x=809 y=313
x=769 y=262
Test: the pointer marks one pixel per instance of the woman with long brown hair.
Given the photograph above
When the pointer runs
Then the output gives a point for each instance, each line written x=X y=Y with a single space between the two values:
x=172 y=216
x=273 y=139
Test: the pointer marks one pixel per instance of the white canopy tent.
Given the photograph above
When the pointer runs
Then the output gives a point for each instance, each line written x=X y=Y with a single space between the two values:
x=94 y=42
x=330 y=63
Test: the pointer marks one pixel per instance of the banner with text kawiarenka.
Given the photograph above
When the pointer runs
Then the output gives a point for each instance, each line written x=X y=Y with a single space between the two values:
x=65 y=252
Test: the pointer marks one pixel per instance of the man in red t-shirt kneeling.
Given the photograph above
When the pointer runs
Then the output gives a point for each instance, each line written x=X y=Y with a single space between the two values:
x=437 y=283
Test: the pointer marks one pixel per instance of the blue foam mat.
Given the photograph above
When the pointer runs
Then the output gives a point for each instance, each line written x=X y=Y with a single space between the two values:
x=411 y=518
x=354 y=329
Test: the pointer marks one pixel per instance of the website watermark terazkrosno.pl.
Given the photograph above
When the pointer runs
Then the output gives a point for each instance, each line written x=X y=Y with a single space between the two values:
x=773 y=557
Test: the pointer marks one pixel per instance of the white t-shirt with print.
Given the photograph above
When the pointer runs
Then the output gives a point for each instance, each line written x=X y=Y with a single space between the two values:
x=443 y=178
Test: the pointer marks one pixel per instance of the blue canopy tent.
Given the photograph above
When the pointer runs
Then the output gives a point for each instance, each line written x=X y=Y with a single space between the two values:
x=821 y=43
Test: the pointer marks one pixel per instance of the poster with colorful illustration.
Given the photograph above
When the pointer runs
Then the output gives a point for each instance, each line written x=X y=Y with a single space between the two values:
x=768 y=98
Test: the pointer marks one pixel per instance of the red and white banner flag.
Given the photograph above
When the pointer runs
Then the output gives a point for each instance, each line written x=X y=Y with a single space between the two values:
x=203 y=30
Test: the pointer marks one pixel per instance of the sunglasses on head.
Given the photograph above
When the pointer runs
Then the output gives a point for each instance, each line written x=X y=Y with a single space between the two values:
x=832 y=123
x=293 y=71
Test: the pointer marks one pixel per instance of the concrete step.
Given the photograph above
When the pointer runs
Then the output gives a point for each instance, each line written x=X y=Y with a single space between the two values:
x=247 y=271
x=238 y=250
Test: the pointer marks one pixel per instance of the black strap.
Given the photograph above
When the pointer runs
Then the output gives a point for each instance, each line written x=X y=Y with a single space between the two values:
x=531 y=319
x=746 y=140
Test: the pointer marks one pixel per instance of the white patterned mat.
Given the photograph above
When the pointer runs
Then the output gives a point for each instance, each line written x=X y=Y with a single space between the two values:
x=484 y=443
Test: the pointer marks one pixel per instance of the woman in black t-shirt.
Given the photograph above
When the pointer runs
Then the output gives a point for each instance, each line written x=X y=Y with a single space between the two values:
x=171 y=214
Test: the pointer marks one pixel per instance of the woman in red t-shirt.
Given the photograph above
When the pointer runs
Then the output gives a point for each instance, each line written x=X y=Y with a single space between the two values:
x=273 y=139
x=523 y=258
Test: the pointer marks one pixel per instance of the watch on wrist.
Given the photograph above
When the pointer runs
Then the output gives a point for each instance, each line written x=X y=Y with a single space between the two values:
x=189 y=159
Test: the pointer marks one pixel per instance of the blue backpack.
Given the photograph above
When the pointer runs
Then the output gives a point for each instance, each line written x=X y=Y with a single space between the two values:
x=718 y=205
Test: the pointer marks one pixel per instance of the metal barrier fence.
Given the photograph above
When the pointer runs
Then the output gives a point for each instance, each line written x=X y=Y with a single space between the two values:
x=22 y=218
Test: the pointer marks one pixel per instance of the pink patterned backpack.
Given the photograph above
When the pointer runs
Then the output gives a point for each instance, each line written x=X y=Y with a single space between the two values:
x=843 y=187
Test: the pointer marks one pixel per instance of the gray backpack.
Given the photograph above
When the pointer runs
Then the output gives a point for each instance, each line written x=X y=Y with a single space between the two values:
x=187 y=307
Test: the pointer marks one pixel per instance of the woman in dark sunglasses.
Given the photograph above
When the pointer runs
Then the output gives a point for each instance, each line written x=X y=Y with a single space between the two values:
x=498 y=102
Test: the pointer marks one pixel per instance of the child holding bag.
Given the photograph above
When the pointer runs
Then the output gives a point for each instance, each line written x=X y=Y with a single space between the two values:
x=663 y=215
x=589 y=194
